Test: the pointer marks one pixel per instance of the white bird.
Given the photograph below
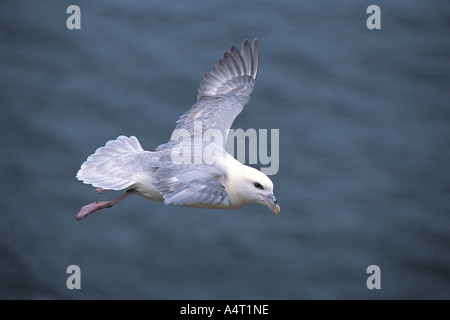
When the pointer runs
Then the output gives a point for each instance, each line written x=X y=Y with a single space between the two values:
x=218 y=180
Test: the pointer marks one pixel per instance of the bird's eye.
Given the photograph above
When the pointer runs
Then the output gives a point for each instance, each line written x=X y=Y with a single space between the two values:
x=258 y=185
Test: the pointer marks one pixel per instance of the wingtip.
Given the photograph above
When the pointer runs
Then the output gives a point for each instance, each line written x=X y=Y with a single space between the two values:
x=234 y=63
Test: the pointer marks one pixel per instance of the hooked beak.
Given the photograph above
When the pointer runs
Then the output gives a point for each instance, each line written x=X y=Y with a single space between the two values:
x=271 y=202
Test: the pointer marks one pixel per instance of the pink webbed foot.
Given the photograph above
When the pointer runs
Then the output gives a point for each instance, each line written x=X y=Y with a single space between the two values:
x=90 y=208
x=94 y=206
x=99 y=190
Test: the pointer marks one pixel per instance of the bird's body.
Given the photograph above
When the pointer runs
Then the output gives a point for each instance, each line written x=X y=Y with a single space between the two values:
x=189 y=170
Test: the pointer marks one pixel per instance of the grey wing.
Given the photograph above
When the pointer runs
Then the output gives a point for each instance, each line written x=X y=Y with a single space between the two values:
x=185 y=185
x=223 y=92
x=234 y=74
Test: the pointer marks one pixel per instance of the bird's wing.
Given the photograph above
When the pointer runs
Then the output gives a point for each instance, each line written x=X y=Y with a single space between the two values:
x=185 y=184
x=223 y=93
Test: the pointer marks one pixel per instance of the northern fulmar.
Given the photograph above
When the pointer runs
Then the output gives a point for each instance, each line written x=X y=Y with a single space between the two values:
x=193 y=169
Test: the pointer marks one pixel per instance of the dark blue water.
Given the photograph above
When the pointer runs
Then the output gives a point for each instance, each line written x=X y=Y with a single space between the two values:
x=364 y=124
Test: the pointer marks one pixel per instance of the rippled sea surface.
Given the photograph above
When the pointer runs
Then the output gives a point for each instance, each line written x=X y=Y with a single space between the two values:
x=364 y=175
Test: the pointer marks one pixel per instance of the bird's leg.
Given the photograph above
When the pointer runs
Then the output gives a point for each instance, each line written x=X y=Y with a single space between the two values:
x=97 y=205
x=99 y=190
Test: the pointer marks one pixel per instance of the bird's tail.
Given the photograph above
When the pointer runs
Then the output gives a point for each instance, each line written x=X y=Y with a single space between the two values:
x=117 y=165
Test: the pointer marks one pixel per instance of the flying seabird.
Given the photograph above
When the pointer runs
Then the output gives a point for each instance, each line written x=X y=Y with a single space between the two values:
x=175 y=173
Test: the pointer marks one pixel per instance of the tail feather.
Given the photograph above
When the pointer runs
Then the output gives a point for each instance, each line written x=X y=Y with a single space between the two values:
x=114 y=165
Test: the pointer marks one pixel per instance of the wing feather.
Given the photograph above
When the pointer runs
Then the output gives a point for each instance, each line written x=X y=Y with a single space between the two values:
x=191 y=185
x=223 y=92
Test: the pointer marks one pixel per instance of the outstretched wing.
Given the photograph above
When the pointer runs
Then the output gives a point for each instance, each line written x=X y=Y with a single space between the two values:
x=194 y=185
x=223 y=93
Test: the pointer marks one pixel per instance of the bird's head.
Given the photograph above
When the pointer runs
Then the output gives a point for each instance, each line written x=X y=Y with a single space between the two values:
x=257 y=187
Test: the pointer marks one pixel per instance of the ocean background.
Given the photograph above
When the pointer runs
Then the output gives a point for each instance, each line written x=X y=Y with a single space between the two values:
x=364 y=123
